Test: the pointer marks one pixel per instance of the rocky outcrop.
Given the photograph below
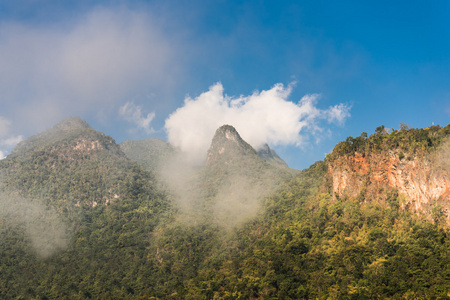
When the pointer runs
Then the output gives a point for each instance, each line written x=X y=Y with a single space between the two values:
x=421 y=179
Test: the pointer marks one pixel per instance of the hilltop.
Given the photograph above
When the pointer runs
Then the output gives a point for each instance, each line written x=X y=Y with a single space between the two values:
x=70 y=165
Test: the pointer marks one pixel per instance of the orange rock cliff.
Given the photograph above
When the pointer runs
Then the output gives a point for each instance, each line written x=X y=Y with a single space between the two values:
x=424 y=181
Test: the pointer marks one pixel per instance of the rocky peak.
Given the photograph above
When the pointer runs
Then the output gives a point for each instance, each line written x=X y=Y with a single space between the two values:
x=227 y=145
x=227 y=133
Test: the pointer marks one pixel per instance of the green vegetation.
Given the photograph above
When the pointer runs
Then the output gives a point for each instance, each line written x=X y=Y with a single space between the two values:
x=107 y=206
x=301 y=244
x=406 y=140
x=307 y=245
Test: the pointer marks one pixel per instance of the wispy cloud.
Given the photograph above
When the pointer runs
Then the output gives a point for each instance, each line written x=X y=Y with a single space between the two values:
x=263 y=117
x=11 y=141
x=338 y=113
x=7 y=140
x=133 y=113
x=4 y=126
x=43 y=226
x=80 y=66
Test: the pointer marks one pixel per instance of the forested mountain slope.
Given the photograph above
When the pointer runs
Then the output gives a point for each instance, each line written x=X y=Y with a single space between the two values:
x=311 y=242
x=228 y=189
x=71 y=165
x=306 y=239
x=75 y=216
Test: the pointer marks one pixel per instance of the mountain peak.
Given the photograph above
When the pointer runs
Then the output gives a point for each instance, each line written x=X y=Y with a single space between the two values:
x=72 y=123
x=71 y=133
x=228 y=132
x=226 y=145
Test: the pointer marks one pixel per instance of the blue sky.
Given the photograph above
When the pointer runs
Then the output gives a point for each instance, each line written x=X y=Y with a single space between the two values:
x=127 y=66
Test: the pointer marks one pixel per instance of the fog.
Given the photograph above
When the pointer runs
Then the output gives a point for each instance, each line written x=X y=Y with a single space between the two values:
x=228 y=201
x=240 y=198
x=43 y=227
x=182 y=181
x=225 y=194
x=88 y=64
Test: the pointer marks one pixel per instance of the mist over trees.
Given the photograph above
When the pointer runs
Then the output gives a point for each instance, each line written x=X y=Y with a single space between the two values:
x=84 y=218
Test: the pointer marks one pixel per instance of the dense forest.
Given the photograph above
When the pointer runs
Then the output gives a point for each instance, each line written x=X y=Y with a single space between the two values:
x=81 y=220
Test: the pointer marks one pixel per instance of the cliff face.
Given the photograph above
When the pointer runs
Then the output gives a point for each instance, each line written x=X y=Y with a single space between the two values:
x=422 y=180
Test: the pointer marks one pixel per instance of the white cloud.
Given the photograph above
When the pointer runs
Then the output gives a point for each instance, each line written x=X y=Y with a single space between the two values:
x=7 y=144
x=4 y=126
x=338 y=113
x=83 y=65
x=263 y=117
x=7 y=141
x=133 y=113
x=11 y=141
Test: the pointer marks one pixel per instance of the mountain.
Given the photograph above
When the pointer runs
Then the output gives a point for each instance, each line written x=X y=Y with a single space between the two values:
x=236 y=179
x=152 y=154
x=368 y=222
x=229 y=156
x=228 y=189
x=70 y=199
x=63 y=132
x=345 y=229
x=70 y=164
x=228 y=143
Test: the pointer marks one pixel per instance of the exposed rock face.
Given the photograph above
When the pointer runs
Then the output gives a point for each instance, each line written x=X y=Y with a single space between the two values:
x=422 y=181
x=87 y=146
